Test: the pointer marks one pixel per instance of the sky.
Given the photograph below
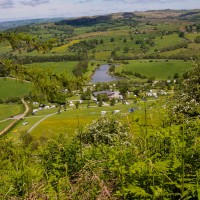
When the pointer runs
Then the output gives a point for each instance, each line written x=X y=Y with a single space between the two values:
x=33 y=9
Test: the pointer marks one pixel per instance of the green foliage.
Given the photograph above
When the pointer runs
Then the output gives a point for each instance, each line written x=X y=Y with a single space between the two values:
x=188 y=95
x=109 y=158
x=101 y=86
x=80 y=68
x=115 y=157
x=86 y=95
x=106 y=130
x=84 y=45
x=123 y=89
x=23 y=42
x=176 y=75
x=102 y=97
x=101 y=41
x=112 y=69
x=3 y=71
x=181 y=34
x=112 y=102
x=112 y=39
x=197 y=39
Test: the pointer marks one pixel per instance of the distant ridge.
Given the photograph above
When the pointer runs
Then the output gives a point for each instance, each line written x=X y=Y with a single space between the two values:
x=16 y=23
x=86 y=21
x=193 y=15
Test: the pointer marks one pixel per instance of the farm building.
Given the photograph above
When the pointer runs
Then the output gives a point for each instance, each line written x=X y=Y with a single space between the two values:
x=110 y=94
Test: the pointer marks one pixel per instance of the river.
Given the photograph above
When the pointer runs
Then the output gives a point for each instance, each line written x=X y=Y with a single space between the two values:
x=102 y=75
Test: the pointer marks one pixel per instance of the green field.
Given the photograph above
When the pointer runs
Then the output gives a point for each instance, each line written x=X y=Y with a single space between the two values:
x=15 y=132
x=167 y=26
x=5 y=48
x=58 y=67
x=158 y=68
x=4 y=124
x=167 y=41
x=192 y=36
x=8 y=110
x=13 y=88
x=63 y=48
x=67 y=121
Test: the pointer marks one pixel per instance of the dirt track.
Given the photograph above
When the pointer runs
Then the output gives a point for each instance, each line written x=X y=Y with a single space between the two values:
x=16 y=118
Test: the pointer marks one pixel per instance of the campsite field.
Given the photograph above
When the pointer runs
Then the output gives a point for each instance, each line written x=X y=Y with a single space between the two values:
x=68 y=122
x=160 y=69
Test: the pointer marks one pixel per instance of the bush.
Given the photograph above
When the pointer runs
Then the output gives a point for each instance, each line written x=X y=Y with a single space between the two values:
x=12 y=100
x=126 y=62
x=112 y=102
x=112 y=39
x=197 y=40
x=106 y=130
x=1 y=101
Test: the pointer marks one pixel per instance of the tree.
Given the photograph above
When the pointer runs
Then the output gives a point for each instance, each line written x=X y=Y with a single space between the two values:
x=197 y=39
x=176 y=75
x=113 y=54
x=86 y=95
x=123 y=89
x=188 y=96
x=126 y=49
x=102 y=97
x=136 y=91
x=4 y=71
x=80 y=68
x=190 y=86
x=181 y=34
x=46 y=84
x=105 y=130
x=100 y=102
x=101 y=41
x=77 y=104
x=112 y=39
x=112 y=102
x=112 y=69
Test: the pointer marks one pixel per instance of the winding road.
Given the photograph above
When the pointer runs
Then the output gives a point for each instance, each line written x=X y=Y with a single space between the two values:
x=15 y=118
x=41 y=121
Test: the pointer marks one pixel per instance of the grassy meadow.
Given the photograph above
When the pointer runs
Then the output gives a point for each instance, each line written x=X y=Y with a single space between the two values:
x=64 y=47
x=13 y=88
x=58 y=67
x=161 y=69
x=8 y=110
x=4 y=124
x=167 y=41
x=68 y=122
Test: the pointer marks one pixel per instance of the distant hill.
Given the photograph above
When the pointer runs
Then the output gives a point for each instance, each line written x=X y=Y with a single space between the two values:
x=151 y=14
x=168 y=13
x=13 y=24
x=191 y=15
x=85 y=21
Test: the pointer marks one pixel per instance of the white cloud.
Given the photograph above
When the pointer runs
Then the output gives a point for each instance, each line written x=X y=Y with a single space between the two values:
x=6 y=4
x=33 y=2
x=18 y=9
